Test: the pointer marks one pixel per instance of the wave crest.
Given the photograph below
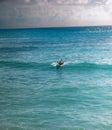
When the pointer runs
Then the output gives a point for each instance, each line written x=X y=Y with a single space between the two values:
x=86 y=66
x=67 y=65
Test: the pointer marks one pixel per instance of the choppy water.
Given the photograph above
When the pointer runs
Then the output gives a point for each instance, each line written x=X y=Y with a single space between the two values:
x=35 y=95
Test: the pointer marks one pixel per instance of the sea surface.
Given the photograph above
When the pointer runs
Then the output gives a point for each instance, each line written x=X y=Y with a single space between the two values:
x=36 y=95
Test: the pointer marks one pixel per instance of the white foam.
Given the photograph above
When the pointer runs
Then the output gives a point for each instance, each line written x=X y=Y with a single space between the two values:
x=55 y=64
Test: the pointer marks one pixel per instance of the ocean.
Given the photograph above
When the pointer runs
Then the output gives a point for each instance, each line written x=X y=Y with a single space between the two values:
x=36 y=95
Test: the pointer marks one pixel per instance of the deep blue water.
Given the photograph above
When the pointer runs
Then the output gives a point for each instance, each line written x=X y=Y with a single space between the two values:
x=35 y=95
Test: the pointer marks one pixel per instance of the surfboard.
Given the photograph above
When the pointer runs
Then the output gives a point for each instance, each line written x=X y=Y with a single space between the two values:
x=57 y=65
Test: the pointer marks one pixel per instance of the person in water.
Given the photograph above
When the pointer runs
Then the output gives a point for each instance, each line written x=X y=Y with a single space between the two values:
x=60 y=62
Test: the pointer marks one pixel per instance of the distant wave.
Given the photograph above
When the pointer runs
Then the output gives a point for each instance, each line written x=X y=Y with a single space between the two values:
x=66 y=66
x=17 y=49
x=19 y=64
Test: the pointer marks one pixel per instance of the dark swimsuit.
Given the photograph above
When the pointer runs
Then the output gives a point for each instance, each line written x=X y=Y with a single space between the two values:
x=60 y=63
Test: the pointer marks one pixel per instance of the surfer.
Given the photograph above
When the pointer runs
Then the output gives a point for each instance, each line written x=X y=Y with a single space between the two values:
x=61 y=62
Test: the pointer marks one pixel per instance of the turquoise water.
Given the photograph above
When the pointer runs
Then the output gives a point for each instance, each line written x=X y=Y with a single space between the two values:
x=35 y=95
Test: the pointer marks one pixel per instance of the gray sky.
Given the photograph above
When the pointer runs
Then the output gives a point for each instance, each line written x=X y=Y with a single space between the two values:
x=53 y=13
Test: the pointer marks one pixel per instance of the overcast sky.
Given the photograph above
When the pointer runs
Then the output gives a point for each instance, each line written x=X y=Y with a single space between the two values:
x=53 y=13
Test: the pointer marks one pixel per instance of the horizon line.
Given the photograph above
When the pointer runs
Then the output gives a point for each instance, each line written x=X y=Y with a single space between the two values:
x=54 y=27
